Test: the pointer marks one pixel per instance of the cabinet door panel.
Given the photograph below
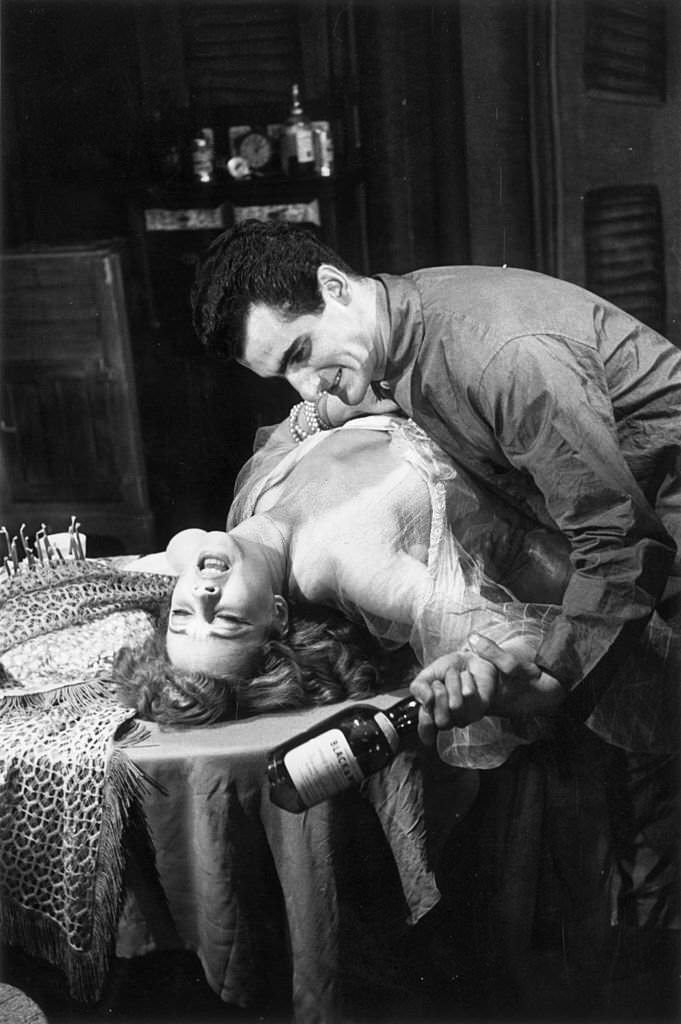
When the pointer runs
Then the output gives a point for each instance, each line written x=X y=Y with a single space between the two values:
x=52 y=306
x=69 y=438
x=62 y=446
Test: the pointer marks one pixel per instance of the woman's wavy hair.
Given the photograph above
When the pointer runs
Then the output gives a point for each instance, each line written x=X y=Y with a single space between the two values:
x=324 y=658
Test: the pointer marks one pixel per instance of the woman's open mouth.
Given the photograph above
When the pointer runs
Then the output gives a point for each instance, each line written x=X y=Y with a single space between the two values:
x=210 y=566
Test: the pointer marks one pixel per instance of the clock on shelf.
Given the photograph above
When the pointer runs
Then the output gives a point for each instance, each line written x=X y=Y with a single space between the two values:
x=256 y=149
x=255 y=145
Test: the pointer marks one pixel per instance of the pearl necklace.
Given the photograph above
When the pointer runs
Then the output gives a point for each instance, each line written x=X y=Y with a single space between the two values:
x=313 y=423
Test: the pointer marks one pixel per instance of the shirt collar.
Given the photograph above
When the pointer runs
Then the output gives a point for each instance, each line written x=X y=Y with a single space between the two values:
x=400 y=319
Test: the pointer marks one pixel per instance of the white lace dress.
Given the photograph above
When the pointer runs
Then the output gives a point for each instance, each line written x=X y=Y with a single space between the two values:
x=370 y=504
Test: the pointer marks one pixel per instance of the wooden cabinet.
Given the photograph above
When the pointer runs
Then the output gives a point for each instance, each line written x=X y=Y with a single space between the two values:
x=173 y=224
x=200 y=414
x=69 y=432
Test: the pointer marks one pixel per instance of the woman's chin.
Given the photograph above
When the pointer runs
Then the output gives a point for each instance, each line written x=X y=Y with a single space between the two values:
x=183 y=547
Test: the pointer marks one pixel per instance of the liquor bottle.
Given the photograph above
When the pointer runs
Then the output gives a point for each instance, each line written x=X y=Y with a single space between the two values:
x=323 y=148
x=164 y=148
x=203 y=156
x=339 y=753
x=297 y=140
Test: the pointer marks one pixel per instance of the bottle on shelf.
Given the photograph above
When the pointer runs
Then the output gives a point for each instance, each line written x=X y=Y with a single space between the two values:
x=203 y=156
x=164 y=146
x=339 y=753
x=297 y=140
x=323 y=148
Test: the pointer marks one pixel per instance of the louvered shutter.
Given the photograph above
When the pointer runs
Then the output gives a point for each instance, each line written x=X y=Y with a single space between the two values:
x=605 y=87
x=241 y=55
x=624 y=49
x=624 y=250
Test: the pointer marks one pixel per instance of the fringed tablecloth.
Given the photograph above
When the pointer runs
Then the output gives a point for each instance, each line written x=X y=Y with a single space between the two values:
x=65 y=792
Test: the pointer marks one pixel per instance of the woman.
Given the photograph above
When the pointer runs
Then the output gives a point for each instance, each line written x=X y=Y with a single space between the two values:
x=361 y=519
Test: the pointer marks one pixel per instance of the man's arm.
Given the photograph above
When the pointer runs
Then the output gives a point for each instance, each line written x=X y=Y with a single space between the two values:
x=491 y=679
x=554 y=421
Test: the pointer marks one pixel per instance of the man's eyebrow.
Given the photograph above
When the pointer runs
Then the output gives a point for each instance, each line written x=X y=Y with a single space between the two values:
x=284 y=361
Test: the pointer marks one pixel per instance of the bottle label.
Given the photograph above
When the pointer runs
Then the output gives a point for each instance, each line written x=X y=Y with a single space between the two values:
x=304 y=147
x=388 y=730
x=322 y=767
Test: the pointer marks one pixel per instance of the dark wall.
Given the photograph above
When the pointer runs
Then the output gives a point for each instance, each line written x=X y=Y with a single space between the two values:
x=446 y=132
x=470 y=124
x=494 y=67
x=77 y=132
x=72 y=119
x=438 y=132
x=413 y=133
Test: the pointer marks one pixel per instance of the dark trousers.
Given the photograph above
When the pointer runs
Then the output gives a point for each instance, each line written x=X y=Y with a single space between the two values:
x=567 y=876
x=644 y=814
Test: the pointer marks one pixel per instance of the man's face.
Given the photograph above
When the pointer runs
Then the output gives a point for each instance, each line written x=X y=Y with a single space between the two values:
x=329 y=351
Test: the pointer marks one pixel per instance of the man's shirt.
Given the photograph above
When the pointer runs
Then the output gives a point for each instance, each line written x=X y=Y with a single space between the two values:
x=570 y=408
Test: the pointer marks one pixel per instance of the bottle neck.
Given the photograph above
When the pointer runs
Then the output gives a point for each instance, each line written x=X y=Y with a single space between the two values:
x=296 y=108
x=404 y=715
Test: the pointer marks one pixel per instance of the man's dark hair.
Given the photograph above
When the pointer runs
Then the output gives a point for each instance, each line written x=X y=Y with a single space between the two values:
x=272 y=263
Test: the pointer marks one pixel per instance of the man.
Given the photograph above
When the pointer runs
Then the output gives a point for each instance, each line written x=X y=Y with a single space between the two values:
x=565 y=404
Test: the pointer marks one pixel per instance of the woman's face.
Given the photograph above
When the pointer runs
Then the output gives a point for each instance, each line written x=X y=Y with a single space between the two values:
x=223 y=606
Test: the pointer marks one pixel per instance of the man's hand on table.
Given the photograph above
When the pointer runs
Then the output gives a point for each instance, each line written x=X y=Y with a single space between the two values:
x=461 y=688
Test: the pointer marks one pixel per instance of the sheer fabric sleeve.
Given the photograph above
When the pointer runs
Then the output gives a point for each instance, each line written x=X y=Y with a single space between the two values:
x=464 y=599
x=273 y=450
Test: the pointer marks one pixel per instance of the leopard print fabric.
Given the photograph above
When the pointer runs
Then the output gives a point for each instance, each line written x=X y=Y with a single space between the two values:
x=73 y=655
x=65 y=795
x=45 y=600
x=66 y=791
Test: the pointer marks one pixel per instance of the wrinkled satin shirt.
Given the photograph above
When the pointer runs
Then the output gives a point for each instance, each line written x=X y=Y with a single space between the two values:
x=570 y=408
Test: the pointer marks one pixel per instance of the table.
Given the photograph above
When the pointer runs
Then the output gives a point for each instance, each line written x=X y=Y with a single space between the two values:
x=17 y=1008
x=216 y=837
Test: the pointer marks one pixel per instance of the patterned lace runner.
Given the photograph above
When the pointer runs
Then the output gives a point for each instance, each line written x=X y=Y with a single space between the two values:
x=66 y=793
